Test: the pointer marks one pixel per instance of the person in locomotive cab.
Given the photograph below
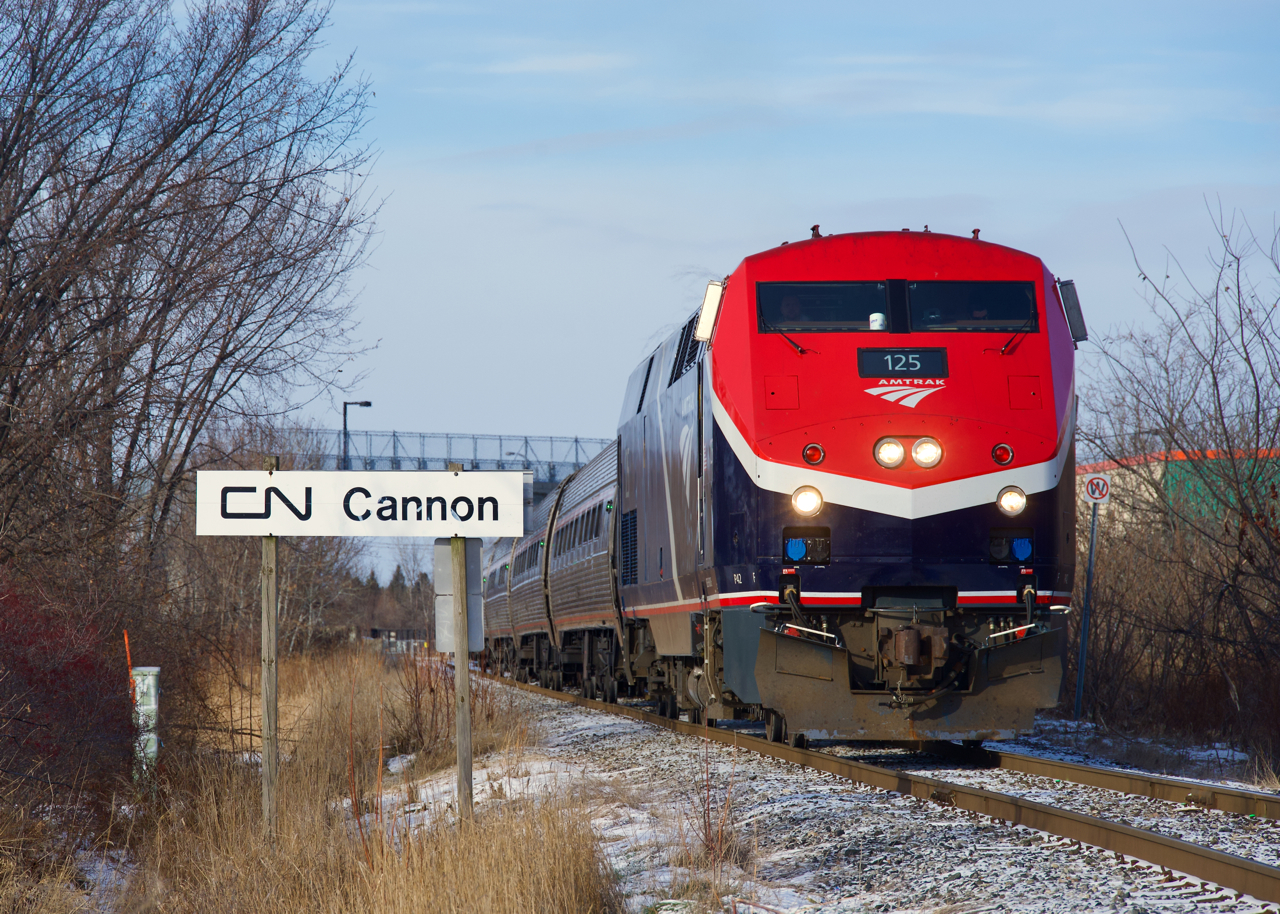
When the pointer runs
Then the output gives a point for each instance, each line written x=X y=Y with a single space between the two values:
x=791 y=308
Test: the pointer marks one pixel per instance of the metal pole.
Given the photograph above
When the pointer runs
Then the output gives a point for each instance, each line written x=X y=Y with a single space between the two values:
x=270 y=746
x=346 y=435
x=1084 y=613
x=462 y=672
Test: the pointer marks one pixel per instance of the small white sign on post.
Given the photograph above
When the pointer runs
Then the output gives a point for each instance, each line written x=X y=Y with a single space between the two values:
x=1097 y=488
x=146 y=709
x=356 y=503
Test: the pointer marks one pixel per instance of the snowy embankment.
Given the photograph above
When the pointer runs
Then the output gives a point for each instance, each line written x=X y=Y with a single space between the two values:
x=687 y=823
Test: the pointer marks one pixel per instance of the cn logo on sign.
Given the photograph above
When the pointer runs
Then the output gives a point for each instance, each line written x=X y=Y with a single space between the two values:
x=1097 y=488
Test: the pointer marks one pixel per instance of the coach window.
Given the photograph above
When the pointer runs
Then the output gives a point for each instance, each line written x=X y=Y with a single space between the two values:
x=996 y=307
x=821 y=307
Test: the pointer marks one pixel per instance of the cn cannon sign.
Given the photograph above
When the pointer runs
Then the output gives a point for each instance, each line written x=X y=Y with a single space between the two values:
x=307 y=503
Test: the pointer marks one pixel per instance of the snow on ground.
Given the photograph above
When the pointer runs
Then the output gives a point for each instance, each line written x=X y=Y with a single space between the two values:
x=807 y=841
x=1086 y=743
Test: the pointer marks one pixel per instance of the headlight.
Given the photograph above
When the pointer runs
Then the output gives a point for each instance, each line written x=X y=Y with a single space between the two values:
x=889 y=452
x=1011 y=500
x=807 y=501
x=926 y=452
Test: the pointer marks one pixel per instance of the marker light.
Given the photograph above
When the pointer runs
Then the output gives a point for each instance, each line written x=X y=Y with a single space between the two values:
x=1011 y=500
x=813 y=453
x=1002 y=454
x=926 y=452
x=807 y=501
x=889 y=452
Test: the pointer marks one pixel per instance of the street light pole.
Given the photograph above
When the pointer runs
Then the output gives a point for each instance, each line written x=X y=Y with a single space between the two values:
x=346 y=438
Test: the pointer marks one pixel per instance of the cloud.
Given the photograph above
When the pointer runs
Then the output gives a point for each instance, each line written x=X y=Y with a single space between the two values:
x=559 y=63
x=597 y=139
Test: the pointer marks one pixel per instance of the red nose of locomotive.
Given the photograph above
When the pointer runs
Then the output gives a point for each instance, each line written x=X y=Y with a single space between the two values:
x=903 y=406
x=908 y=396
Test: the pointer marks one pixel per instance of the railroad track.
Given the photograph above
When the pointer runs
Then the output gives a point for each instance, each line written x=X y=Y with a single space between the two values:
x=1135 y=783
x=1227 y=870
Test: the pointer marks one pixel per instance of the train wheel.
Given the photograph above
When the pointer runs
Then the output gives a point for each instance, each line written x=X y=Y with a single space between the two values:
x=775 y=727
x=798 y=741
x=611 y=692
x=590 y=688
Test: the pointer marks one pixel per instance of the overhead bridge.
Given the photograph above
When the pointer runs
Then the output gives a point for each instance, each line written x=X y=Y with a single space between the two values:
x=549 y=458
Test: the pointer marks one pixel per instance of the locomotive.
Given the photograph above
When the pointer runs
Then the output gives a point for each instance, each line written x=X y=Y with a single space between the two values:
x=840 y=502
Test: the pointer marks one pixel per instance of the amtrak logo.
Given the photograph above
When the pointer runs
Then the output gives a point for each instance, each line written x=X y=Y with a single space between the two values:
x=904 y=394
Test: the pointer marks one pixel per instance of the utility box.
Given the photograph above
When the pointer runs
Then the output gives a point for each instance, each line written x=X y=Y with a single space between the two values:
x=146 y=710
x=444 y=596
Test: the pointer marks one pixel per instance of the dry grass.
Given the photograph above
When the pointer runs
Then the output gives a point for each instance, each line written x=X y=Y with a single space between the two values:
x=200 y=844
x=36 y=874
x=210 y=855
x=1265 y=776
x=710 y=847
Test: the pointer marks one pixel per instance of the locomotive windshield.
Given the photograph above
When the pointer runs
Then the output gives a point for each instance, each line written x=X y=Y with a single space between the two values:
x=934 y=305
x=995 y=306
x=821 y=306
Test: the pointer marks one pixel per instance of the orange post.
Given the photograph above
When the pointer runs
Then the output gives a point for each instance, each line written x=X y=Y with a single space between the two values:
x=128 y=658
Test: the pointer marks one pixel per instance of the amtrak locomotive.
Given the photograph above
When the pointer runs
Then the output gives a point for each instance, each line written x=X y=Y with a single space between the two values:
x=841 y=501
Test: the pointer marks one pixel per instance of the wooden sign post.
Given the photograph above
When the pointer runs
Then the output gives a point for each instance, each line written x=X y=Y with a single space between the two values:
x=462 y=672
x=270 y=628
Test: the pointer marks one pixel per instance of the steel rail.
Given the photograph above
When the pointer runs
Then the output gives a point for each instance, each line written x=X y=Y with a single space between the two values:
x=1227 y=870
x=1136 y=783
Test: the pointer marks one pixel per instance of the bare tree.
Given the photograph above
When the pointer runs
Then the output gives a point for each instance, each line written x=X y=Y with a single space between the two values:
x=1189 y=414
x=414 y=558
x=180 y=211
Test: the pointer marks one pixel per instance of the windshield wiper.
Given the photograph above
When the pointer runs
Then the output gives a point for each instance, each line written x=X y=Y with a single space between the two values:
x=800 y=349
x=1019 y=332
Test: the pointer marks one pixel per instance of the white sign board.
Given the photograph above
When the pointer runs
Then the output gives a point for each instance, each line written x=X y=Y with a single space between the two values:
x=443 y=582
x=1097 y=488
x=357 y=503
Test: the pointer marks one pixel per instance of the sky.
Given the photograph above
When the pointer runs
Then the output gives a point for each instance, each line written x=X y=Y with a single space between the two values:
x=560 y=180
